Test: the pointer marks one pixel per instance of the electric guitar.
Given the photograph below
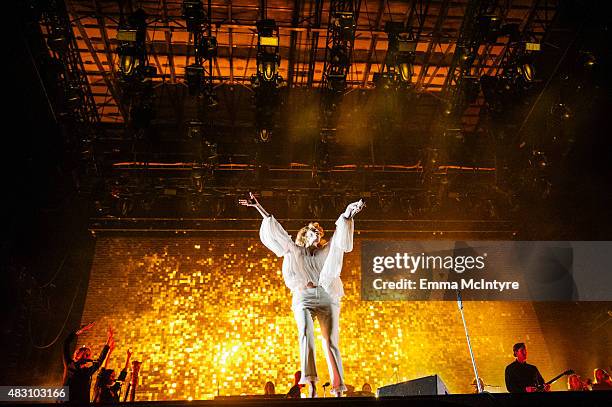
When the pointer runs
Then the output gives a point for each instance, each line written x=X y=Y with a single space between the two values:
x=554 y=379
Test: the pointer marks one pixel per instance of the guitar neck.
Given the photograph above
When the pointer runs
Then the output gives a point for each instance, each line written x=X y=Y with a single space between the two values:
x=554 y=379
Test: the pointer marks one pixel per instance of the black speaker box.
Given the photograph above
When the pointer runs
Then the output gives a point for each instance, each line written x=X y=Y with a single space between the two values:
x=429 y=385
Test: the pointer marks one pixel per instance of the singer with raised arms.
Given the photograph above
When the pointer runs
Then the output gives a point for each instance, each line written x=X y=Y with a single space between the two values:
x=311 y=270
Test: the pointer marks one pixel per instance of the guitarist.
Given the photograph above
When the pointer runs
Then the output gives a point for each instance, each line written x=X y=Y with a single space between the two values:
x=521 y=377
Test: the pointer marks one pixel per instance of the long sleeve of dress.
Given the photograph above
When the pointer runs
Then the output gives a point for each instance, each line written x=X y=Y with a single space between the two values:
x=274 y=237
x=341 y=242
x=343 y=236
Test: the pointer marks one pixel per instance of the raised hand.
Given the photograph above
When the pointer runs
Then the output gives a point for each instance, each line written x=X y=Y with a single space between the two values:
x=250 y=201
x=110 y=334
x=127 y=359
x=85 y=328
x=354 y=208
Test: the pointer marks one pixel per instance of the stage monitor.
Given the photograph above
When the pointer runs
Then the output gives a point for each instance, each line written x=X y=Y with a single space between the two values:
x=428 y=385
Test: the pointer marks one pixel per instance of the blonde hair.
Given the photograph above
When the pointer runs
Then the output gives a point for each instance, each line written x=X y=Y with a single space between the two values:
x=300 y=239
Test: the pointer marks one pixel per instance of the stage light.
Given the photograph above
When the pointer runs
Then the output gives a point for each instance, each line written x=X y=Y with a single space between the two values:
x=525 y=62
x=195 y=129
x=194 y=75
x=400 y=54
x=126 y=205
x=589 y=59
x=212 y=100
x=404 y=67
x=206 y=48
x=264 y=135
x=344 y=25
x=132 y=52
x=448 y=109
x=526 y=71
x=405 y=71
x=194 y=202
x=339 y=55
x=490 y=28
x=128 y=59
x=267 y=70
x=193 y=13
x=268 y=55
x=218 y=207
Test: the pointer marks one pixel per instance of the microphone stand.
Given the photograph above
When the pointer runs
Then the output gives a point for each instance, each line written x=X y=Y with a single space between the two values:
x=467 y=337
x=325 y=389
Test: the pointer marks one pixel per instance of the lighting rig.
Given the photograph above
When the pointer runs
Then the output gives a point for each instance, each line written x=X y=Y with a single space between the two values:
x=505 y=95
x=480 y=26
x=267 y=81
x=199 y=75
x=461 y=88
x=338 y=51
x=135 y=73
x=398 y=66
x=63 y=74
x=517 y=78
x=199 y=80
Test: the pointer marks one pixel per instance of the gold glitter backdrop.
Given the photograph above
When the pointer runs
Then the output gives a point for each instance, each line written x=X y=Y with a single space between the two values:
x=212 y=316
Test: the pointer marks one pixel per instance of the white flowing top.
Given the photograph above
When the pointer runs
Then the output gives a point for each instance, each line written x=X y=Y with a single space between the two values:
x=322 y=267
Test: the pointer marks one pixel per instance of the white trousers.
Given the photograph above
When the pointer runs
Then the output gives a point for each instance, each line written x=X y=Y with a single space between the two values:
x=307 y=305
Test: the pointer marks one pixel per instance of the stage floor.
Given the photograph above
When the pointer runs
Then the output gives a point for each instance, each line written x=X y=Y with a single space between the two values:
x=574 y=399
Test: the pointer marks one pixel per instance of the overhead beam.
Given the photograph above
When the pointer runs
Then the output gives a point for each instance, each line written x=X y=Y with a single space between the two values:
x=168 y=35
x=105 y=75
x=314 y=43
x=435 y=39
x=373 y=41
x=295 y=19
x=230 y=32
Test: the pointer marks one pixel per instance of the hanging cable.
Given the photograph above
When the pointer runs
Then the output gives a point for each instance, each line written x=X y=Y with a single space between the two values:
x=63 y=325
x=59 y=268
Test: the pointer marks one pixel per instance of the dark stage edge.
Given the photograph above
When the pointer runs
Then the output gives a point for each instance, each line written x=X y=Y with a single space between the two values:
x=578 y=399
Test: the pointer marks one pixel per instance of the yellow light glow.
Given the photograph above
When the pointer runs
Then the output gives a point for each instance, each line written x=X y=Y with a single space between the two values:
x=194 y=335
